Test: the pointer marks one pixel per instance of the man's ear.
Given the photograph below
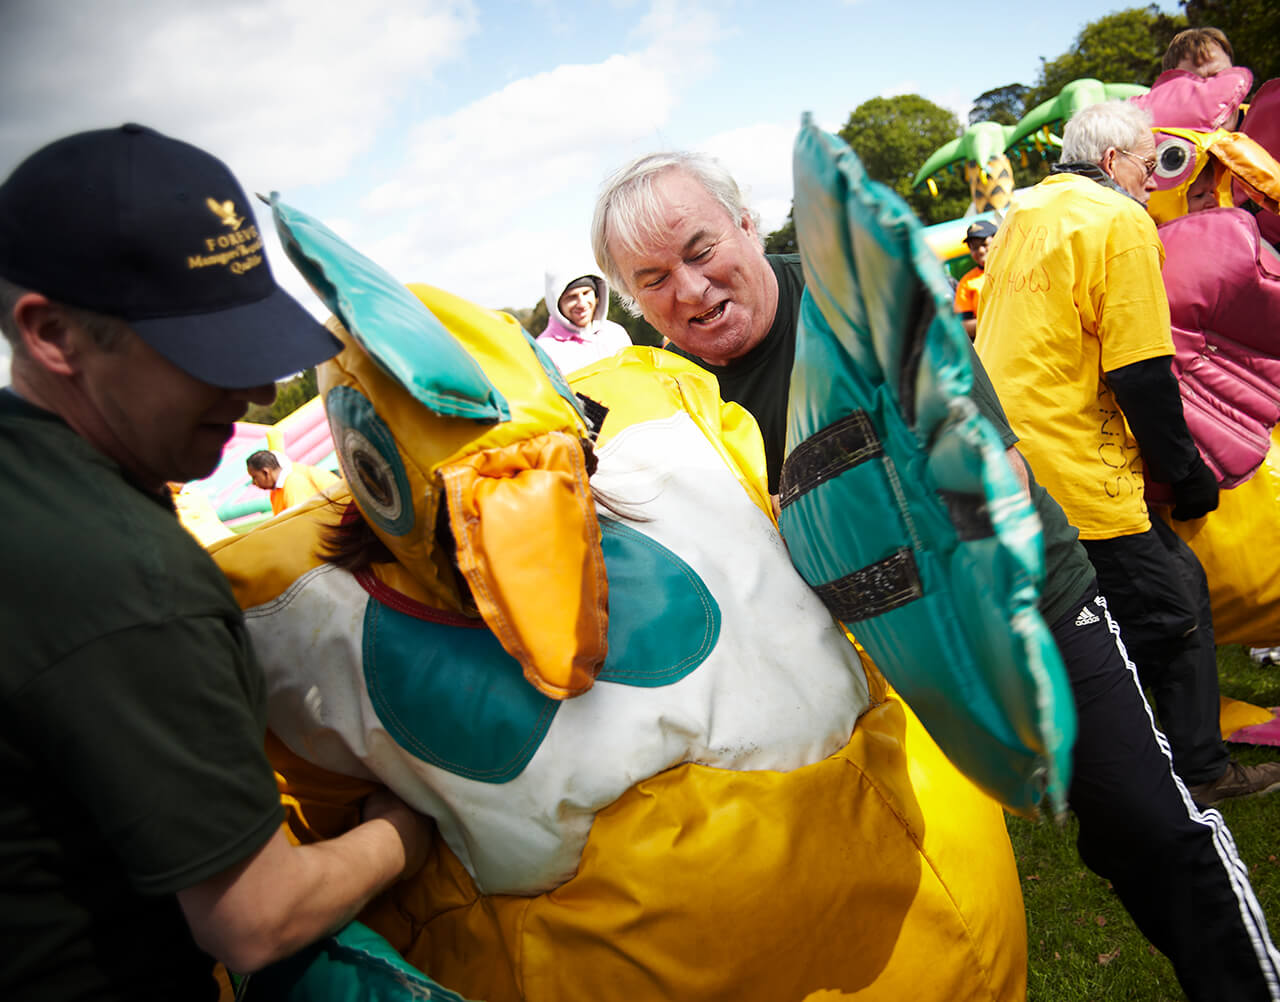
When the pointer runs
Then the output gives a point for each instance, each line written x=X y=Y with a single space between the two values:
x=748 y=225
x=46 y=334
x=1108 y=163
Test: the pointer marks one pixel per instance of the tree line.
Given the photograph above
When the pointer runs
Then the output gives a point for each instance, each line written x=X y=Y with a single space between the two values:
x=893 y=136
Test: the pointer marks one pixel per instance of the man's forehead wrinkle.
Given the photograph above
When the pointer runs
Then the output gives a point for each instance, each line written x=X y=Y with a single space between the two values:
x=702 y=236
x=698 y=238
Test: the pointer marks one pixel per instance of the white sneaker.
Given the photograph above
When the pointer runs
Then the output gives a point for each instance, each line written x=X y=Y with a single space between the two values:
x=1264 y=655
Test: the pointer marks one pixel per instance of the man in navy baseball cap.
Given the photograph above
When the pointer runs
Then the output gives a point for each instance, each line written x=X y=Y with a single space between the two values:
x=141 y=816
x=980 y=231
x=154 y=231
x=978 y=237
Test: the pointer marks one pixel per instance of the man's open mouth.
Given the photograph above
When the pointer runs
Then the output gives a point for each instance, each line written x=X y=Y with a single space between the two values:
x=715 y=313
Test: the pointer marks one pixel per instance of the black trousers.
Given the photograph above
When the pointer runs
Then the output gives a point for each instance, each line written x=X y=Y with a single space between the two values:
x=1173 y=864
x=1156 y=590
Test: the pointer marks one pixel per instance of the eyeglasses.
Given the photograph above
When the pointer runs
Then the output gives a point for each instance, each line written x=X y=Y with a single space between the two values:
x=1148 y=166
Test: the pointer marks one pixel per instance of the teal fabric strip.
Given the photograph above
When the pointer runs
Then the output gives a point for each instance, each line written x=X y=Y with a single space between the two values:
x=354 y=964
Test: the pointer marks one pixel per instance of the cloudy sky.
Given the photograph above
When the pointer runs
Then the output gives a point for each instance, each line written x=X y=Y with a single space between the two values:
x=461 y=142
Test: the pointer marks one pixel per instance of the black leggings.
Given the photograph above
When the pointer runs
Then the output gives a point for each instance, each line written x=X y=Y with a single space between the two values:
x=1156 y=590
x=1173 y=865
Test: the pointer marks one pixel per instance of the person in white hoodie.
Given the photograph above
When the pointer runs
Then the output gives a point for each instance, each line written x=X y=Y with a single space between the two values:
x=578 y=331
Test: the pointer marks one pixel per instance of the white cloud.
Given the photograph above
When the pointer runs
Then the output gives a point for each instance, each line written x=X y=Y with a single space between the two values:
x=313 y=98
x=286 y=91
x=532 y=139
x=954 y=101
x=759 y=158
x=671 y=30
x=487 y=196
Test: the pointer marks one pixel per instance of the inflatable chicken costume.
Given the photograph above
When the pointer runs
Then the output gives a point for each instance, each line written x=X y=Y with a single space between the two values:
x=1223 y=280
x=561 y=622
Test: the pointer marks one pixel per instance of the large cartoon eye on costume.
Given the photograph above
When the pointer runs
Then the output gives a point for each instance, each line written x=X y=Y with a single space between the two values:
x=1175 y=162
x=370 y=459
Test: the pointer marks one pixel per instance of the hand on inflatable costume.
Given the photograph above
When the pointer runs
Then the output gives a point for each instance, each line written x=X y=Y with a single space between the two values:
x=416 y=831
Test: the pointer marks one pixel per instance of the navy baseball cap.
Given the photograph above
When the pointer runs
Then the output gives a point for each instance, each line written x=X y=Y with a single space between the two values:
x=981 y=230
x=136 y=225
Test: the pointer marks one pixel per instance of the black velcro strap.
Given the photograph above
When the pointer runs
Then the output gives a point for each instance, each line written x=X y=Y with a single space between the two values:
x=595 y=413
x=826 y=454
x=873 y=590
x=969 y=514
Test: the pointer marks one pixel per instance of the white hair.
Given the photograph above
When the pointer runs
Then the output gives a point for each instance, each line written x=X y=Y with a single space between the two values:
x=628 y=210
x=1098 y=127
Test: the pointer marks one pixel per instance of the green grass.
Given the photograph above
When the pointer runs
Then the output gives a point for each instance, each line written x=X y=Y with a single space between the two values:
x=1082 y=945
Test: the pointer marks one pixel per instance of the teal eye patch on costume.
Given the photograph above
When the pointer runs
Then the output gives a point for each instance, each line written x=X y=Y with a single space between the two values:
x=367 y=450
x=489 y=728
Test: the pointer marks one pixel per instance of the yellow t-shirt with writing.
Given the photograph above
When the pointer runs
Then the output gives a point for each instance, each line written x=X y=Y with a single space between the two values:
x=1073 y=290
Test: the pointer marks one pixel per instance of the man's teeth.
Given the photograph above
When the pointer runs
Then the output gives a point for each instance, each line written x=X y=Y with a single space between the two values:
x=711 y=314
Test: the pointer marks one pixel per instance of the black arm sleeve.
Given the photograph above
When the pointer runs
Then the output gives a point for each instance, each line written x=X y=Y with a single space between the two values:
x=1148 y=395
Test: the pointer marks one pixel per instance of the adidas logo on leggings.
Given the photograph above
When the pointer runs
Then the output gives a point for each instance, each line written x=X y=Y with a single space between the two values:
x=1087 y=617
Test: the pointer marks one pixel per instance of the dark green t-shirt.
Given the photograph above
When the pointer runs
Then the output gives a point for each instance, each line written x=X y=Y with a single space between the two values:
x=761 y=382
x=1067 y=571
x=761 y=379
x=132 y=715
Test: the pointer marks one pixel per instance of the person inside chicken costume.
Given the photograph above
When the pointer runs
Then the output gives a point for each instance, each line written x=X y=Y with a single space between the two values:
x=560 y=620
x=1217 y=203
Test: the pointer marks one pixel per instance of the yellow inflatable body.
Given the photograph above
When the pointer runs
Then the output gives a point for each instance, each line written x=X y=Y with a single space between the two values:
x=861 y=871
x=1239 y=547
x=658 y=768
x=197 y=516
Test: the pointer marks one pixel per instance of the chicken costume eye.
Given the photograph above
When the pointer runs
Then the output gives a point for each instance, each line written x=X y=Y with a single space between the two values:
x=1175 y=162
x=371 y=461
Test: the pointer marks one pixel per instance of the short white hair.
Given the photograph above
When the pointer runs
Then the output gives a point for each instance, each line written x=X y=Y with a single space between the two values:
x=1097 y=128
x=628 y=210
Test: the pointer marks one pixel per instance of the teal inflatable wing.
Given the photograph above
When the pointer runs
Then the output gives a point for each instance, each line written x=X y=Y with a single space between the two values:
x=898 y=503
x=388 y=320
x=354 y=964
